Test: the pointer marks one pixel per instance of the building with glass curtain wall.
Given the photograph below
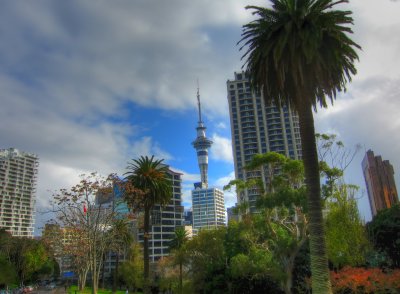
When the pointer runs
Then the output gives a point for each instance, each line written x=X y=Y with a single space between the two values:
x=258 y=128
x=379 y=179
x=18 y=176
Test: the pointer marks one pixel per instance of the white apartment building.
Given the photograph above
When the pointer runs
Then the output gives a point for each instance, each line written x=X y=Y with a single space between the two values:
x=208 y=208
x=18 y=176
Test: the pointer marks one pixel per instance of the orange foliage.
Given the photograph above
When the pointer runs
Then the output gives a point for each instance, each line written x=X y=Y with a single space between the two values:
x=362 y=280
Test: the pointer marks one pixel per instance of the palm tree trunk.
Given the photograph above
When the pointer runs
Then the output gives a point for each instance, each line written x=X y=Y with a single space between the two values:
x=146 y=260
x=114 y=289
x=180 y=278
x=319 y=260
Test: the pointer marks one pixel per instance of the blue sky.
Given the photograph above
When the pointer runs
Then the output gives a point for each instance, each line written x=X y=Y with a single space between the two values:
x=88 y=85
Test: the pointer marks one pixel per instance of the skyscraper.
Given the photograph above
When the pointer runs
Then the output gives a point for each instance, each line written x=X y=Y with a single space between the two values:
x=18 y=175
x=258 y=128
x=207 y=203
x=379 y=179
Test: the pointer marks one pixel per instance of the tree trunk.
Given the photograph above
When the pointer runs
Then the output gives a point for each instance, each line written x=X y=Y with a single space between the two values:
x=146 y=261
x=180 y=278
x=114 y=289
x=319 y=260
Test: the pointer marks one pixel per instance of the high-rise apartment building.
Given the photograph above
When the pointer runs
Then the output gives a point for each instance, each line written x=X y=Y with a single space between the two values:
x=258 y=128
x=208 y=204
x=379 y=179
x=165 y=220
x=18 y=176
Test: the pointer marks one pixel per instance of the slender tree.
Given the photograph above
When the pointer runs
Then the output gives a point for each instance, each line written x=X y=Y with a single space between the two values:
x=177 y=244
x=298 y=54
x=123 y=238
x=149 y=185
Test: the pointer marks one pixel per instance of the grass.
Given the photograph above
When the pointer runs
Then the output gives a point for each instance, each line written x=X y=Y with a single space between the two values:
x=88 y=290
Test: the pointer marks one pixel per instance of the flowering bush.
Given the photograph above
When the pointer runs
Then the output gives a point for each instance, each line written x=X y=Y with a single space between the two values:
x=362 y=280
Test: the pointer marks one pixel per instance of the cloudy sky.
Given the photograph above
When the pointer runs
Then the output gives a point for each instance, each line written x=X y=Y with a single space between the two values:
x=88 y=85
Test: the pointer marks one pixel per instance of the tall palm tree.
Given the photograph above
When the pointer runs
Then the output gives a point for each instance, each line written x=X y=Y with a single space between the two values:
x=177 y=243
x=150 y=185
x=298 y=54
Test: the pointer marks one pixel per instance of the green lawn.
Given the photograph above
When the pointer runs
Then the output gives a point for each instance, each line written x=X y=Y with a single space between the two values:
x=88 y=290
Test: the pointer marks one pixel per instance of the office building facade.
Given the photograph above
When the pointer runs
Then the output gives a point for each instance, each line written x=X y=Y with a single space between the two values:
x=258 y=128
x=208 y=208
x=379 y=179
x=18 y=177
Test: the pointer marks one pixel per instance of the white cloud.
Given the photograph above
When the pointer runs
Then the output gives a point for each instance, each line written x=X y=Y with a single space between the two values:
x=221 y=149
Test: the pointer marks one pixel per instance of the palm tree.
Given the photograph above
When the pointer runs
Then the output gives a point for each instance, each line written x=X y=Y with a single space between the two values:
x=122 y=239
x=150 y=185
x=298 y=54
x=177 y=243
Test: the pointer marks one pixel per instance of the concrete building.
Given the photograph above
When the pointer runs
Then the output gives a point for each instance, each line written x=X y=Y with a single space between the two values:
x=18 y=177
x=379 y=179
x=208 y=204
x=208 y=208
x=165 y=220
x=258 y=128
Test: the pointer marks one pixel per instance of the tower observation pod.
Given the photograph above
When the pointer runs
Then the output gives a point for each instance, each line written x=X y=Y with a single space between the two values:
x=202 y=144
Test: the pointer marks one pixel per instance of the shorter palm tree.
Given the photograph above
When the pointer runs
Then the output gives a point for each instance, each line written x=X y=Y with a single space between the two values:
x=148 y=184
x=177 y=244
x=122 y=239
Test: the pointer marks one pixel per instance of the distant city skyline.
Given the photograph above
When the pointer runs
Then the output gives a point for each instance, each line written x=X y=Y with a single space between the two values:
x=90 y=85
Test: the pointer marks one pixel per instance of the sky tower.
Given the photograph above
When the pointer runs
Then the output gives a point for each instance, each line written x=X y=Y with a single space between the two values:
x=202 y=144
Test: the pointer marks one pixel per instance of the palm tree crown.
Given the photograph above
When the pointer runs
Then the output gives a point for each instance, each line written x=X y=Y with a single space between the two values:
x=150 y=176
x=299 y=50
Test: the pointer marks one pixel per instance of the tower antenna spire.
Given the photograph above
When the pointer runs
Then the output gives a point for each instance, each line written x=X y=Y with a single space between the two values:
x=198 y=100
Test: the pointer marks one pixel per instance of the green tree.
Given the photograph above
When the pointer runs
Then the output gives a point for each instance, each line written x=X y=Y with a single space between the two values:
x=346 y=237
x=298 y=54
x=123 y=238
x=207 y=258
x=8 y=275
x=384 y=233
x=177 y=246
x=148 y=185
x=131 y=271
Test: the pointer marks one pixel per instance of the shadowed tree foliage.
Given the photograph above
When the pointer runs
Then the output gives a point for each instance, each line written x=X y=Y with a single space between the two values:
x=384 y=233
x=148 y=185
x=298 y=54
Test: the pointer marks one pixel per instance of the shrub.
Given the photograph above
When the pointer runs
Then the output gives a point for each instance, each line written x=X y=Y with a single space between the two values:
x=362 y=280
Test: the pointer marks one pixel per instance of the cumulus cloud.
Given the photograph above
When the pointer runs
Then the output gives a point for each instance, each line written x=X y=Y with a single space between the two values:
x=221 y=149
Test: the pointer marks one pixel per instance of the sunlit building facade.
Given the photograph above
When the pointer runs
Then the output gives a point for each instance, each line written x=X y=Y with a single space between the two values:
x=18 y=177
x=258 y=128
x=379 y=179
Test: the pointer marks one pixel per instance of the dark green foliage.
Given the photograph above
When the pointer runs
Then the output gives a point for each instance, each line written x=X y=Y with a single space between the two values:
x=298 y=54
x=384 y=233
x=23 y=259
